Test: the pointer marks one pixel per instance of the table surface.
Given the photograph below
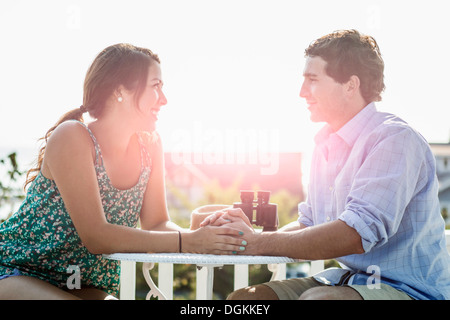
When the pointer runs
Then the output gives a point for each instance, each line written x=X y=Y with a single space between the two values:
x=192 y=258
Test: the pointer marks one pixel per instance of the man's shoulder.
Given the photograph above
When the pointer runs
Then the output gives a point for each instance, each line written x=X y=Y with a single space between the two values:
x=389 y=121
x=389 y=126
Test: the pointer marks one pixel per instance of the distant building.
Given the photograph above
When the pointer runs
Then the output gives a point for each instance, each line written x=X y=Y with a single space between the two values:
x=441 y=152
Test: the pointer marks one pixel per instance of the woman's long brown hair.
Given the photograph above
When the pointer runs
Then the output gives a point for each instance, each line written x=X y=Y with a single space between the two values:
x=120 y=64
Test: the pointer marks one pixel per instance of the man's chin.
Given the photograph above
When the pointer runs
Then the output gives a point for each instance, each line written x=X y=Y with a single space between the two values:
x=315 y=118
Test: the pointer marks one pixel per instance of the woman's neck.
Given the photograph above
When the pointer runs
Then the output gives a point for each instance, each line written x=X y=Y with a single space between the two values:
x=114 y=137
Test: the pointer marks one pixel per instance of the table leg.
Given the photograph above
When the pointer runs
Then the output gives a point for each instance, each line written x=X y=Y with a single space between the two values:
x=165 y=279
x=316 y=266
x=240 y=276
x=278 y=271
x=154 y=291
x=127 y=280
x=205 y=281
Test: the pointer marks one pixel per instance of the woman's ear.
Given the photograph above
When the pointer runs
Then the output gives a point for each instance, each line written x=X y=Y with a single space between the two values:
x=118 y=93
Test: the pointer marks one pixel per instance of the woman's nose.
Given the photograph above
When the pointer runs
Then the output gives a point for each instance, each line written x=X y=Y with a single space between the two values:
x=162 y=99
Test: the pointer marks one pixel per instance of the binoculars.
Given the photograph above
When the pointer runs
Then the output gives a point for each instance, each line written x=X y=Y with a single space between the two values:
x=266 y=213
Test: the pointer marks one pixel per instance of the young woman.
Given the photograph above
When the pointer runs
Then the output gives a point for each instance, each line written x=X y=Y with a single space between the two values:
x=92 y=184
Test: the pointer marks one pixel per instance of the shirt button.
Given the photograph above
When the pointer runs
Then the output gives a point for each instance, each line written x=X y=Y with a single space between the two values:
x=328 y=218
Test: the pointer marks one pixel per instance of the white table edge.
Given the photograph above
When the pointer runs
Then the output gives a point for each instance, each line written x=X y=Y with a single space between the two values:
x=199 y=259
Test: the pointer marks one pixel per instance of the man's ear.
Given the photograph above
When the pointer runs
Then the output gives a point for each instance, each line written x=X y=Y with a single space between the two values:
x=353 y=85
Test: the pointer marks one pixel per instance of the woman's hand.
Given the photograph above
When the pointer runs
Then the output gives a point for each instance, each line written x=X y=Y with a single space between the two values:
x=223 y=232
x=227 y=239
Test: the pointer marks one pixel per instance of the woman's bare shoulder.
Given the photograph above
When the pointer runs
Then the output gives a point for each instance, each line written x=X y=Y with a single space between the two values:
x=69 y=135
x=69 y=141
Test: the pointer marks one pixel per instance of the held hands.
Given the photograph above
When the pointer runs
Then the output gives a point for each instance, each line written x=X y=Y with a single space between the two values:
x=224 y=216
x=231 y=222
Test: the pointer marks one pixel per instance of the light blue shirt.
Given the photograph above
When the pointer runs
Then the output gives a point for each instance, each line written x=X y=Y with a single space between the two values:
x=378 y=175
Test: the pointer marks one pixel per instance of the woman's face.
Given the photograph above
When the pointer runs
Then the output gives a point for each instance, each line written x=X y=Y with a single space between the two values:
x=152 y=98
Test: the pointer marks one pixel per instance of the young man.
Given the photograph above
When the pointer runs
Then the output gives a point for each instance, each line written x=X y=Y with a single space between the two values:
x=372 y=201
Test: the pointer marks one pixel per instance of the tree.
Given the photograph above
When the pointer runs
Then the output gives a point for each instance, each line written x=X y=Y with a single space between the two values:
x=10 y=192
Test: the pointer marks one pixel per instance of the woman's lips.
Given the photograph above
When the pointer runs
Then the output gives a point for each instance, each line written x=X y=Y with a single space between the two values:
x=155 y=113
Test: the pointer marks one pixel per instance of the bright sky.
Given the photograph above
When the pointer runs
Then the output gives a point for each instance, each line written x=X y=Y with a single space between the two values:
x=231 y=68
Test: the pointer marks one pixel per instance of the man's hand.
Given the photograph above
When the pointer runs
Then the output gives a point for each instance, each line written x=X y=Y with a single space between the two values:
x=226 y=216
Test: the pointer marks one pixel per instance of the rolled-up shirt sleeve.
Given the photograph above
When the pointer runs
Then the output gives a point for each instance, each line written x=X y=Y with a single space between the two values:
x=392 y=173
x=304 y=214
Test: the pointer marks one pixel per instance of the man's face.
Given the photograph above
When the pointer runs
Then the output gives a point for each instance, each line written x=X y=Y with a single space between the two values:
x=325 y=97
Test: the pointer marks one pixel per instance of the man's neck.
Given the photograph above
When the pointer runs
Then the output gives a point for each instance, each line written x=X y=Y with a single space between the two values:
x=350 y=112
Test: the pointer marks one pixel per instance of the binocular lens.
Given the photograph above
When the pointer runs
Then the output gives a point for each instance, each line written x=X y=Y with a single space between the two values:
x=264 y=196
x=247 y=196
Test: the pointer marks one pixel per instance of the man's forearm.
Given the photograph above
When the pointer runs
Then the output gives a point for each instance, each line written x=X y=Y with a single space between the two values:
x=325 y=241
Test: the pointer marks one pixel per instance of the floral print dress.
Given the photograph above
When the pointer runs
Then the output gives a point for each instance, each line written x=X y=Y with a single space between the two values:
x=40 y=240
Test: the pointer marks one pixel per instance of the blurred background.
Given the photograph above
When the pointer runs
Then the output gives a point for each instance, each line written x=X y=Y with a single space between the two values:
x=232 y=72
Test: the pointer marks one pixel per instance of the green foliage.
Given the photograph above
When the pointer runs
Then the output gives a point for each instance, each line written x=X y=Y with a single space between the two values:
x=445 y=215
x=214 y=193
x=287 y=204
x=10 y=193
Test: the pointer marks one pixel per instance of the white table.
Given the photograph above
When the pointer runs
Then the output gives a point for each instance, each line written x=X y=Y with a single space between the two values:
x=205 y=269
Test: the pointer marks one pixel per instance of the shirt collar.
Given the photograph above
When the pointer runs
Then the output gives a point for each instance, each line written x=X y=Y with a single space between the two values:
x=352 y=129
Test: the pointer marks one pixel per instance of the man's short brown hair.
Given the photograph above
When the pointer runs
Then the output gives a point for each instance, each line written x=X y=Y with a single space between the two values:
x=348 y=53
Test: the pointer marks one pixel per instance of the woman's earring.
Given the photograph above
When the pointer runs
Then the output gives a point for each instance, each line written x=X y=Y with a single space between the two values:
x=120 y=99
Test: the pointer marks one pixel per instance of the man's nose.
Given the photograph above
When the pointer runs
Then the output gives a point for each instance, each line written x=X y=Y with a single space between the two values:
x=303 y=91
